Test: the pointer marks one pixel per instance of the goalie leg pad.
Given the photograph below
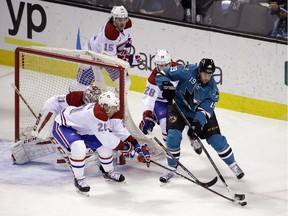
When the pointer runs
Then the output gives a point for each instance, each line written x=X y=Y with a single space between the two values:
x=31 y=148
x=19 y=154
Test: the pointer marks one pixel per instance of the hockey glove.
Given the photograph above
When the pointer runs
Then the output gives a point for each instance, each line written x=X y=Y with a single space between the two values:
x=168 y=91
x=128 y=150
x=197 y=128
x=148 y=122
x=143 y=153
x=135 y=60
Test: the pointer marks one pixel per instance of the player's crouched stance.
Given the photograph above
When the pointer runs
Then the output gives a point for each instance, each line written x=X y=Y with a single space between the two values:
x=96 y=126
x=38 y=144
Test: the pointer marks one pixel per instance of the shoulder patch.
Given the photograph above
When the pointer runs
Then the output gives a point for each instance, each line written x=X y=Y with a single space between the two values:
x=128 y=24
x=75 y=98
x=152 y=76
x=111 y=32
x=117 y=115
x=100 y=113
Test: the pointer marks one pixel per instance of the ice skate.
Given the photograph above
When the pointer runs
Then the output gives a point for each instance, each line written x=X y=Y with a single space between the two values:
x=166 y=176
x=113 y=175
x=81 y=186
x=196 y=146
x=236 y=170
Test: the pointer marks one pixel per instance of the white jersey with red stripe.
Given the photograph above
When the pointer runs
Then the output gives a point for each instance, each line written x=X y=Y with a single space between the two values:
x=57 y=103
x=110 y=40
x=152 y=92
x=90 y=119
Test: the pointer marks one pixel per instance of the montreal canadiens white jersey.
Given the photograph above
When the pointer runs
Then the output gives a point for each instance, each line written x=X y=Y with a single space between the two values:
x=152 y=92
x=110 y=40
x=57 y=103
x=91 y=119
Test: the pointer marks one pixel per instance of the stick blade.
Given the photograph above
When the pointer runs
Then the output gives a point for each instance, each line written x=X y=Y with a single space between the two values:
x=210 y=183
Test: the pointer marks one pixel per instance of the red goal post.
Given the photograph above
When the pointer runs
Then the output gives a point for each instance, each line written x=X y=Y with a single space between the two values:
x=39 y=61
x=43 y=72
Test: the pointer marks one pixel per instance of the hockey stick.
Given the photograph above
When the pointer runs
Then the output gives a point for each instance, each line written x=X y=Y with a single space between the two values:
x=236 y=196
x=215 y=192
x=203 y=184
x=23 y=99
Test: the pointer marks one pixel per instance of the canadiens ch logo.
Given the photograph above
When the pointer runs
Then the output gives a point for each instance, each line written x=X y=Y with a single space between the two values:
x=172 y=119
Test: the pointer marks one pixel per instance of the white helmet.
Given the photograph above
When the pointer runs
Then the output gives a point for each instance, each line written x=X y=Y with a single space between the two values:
x=91 y=94
x=119 y=12
x=108 y=98
x=162 y=57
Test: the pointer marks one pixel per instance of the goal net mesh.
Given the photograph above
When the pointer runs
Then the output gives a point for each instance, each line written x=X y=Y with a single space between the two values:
x=43 y=72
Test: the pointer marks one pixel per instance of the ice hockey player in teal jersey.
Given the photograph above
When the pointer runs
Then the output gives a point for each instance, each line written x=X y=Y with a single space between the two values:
x=196 y=94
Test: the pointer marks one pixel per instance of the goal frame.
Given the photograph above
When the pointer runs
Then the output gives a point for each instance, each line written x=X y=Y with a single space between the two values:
x=18 y=65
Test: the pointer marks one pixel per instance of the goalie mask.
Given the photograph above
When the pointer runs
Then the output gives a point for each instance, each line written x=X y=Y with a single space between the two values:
x=162 y=59
x=91 y=94
x=109 y=102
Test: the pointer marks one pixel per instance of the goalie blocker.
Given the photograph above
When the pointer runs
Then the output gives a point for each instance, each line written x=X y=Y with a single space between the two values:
x=38 y=145
x=44 y=124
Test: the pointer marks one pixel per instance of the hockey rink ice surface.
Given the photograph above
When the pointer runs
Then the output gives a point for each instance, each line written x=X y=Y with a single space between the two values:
x=259 y=144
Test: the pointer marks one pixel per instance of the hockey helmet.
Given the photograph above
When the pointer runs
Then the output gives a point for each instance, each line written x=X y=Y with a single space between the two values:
x=108 y=99
x=207 y=66
x=162 y=57
x=119 y=12
x=91 y=94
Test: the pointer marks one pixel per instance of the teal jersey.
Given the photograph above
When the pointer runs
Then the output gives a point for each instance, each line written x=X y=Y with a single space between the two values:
x=195 y=100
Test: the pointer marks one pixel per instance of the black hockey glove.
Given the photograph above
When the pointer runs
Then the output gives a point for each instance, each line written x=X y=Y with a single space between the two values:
x=197 y=128
x=168 y=92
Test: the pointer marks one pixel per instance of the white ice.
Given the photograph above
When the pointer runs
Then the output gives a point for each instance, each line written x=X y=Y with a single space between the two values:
x=259 y=144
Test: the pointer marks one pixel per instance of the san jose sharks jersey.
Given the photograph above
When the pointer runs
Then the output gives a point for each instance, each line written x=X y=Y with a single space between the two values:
x=196 y=100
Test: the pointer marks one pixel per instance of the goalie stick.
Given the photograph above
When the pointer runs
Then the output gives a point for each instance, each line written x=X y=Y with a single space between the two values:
x=213 y=191
x=240 y=197
x=23 y=99
x=203 y=184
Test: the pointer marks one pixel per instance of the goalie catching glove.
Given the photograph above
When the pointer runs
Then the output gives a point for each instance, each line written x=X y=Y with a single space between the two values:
x=44 y=124
x=148 y=122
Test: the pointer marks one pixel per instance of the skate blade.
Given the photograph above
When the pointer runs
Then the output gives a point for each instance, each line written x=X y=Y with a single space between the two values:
x=83 y=193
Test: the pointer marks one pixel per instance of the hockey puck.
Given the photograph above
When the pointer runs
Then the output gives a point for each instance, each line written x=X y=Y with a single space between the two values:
x=243 y=203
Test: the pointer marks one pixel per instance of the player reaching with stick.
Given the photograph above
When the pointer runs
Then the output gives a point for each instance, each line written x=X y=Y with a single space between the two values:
x=196 y=94
x=98 y=127
x=154 y=105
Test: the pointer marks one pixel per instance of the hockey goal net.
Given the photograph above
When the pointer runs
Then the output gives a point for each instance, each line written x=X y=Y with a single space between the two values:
x=43 y=72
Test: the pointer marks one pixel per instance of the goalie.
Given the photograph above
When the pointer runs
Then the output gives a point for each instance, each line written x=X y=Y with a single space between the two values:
x=39 y=145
